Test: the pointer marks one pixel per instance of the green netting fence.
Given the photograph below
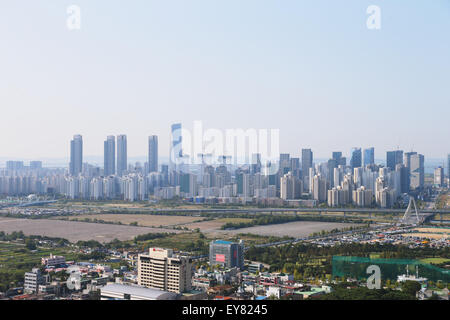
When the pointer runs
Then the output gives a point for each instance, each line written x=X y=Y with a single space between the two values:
x=356 y=267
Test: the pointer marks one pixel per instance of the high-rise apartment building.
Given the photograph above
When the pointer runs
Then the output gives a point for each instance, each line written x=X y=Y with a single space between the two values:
x=122 y=157
x=109 y=156
x=153 y=154
x=290 y=187
x=76 y=155
x=162 y=269
x=362 y=197
x=319 y=188
x=337 y=197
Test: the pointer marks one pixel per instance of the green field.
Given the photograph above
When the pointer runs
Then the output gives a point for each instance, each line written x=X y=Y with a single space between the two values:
x=15 y=260
x=435 y=260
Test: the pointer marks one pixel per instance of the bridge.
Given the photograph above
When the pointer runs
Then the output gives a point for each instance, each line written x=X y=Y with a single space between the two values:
x=424 y=214
x=416 y=217
x=290 y=210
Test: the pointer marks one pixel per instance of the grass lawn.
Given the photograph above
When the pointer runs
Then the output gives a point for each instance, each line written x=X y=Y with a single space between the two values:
x=435 y=260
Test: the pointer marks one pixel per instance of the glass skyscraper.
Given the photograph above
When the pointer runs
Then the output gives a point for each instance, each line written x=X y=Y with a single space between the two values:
x=393 y=158
x=76 y=155
x=307 y=163
x=355 y=160
x=110 y=156
x=369 y=156
x=176 y=152
x=448 y=168
x=153 y=154
x=122 y=160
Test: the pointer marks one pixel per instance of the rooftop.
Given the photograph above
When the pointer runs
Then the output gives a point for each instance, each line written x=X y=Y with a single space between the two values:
x=149 y=293
x=222 y=242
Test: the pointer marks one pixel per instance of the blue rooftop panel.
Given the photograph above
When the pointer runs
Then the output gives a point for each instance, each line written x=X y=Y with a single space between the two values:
x=223 y=242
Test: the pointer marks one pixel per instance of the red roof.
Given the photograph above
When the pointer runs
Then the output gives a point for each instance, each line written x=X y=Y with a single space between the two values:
x=222 y=298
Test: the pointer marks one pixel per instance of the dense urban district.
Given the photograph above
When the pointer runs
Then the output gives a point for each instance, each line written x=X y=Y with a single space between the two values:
x=327 y=230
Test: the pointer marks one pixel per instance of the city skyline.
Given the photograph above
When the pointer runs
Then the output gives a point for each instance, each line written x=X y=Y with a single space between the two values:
x=153 y=154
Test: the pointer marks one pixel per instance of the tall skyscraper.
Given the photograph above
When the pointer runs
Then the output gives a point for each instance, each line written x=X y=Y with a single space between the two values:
x=256 y=163
x=122 y=158
x=35 y=164
x=285 y=163
x=417 y=171
x=407 y=158
x=340 y=160
x=404 y=177
x=295 y=167
x=76 y=155
x=307 y=163
x=110 y=156
x=369 y=156
x=331 y=165
x=448 y=167
x=176 y=152
x=153 y=154
x=355 y=160
x=393 y=158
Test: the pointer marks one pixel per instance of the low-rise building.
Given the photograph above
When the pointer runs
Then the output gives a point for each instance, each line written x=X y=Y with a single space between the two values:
x=53 y=260
x=32 y=281
x=126 y=292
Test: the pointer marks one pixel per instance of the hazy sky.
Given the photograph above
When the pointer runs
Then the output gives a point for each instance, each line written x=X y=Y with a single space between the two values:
x=310 y=68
